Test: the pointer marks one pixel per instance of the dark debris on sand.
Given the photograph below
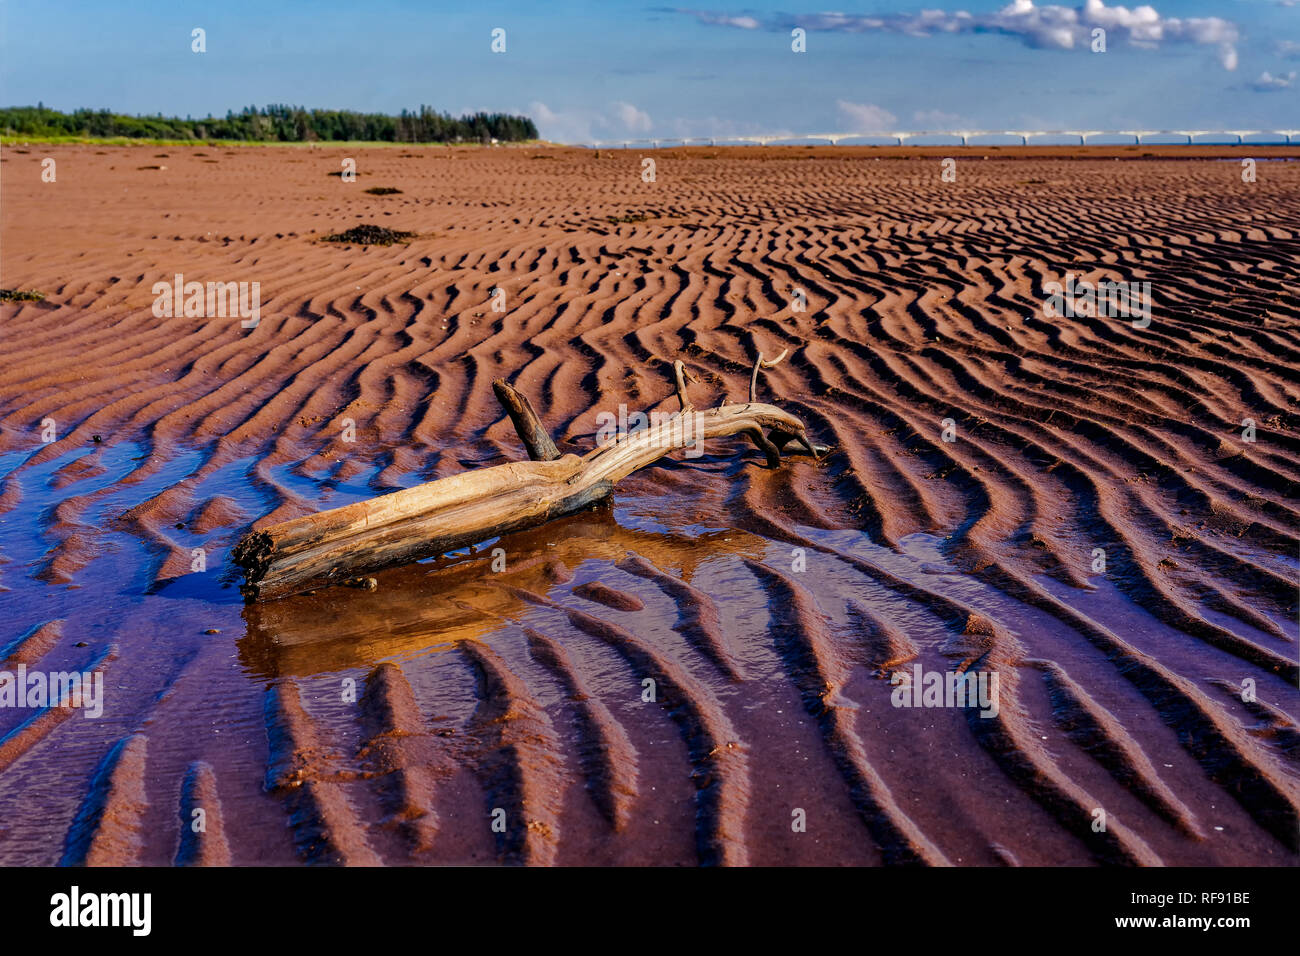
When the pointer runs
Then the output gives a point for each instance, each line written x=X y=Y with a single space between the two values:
x=369 y=235
x=18 y=295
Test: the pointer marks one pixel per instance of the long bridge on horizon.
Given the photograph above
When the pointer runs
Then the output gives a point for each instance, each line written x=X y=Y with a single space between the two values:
x=1193 y=137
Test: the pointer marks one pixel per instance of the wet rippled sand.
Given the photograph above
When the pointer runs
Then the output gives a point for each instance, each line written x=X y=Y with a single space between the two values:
x=768 y=608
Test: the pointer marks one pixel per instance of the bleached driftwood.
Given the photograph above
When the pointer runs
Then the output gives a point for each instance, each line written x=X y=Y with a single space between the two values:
x=331 y=547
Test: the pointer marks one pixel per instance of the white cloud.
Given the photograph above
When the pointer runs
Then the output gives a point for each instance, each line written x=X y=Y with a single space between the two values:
x=562 y=126
x=636 y=121
x=722 y=128
x=1047 y=25
x=936 y=120
x=723 y=20
x=866 y=117
x=1289 y=49
x=1268 y=83
x=589 y=125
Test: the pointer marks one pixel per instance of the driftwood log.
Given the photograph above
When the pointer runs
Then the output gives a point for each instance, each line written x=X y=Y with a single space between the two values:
x=331 y=547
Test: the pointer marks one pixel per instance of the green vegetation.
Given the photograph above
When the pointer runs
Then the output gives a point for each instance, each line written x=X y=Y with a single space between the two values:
x=269 y=124
x=368 y=235
x=15 y=295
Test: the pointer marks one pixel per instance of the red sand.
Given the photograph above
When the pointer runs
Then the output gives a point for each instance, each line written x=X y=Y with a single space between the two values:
x=768 y=607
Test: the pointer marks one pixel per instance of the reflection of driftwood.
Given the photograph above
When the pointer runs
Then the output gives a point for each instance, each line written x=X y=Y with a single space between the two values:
x=465 y=597
x=464 y=509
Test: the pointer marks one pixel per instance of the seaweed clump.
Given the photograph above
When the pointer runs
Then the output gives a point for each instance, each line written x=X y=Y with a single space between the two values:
x=18 y=295
x=369 y=235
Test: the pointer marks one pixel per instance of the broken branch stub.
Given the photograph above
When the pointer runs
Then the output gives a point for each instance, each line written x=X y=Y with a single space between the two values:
x=440 y=516
x=762 y=363
x=526 y=421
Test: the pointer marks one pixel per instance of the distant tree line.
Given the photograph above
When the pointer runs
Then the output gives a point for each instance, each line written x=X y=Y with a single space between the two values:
x=277 y=123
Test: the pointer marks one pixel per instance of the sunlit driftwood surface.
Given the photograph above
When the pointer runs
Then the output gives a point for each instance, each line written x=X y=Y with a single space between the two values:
x=333 y=546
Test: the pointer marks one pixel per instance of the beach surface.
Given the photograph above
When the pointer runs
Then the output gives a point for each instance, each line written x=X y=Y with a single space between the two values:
x=727 y=663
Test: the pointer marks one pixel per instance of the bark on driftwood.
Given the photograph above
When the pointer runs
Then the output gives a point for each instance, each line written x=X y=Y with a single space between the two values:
x=333 y=546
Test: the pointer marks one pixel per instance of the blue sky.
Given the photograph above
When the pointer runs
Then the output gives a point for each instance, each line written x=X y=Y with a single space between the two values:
x=617 y=69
